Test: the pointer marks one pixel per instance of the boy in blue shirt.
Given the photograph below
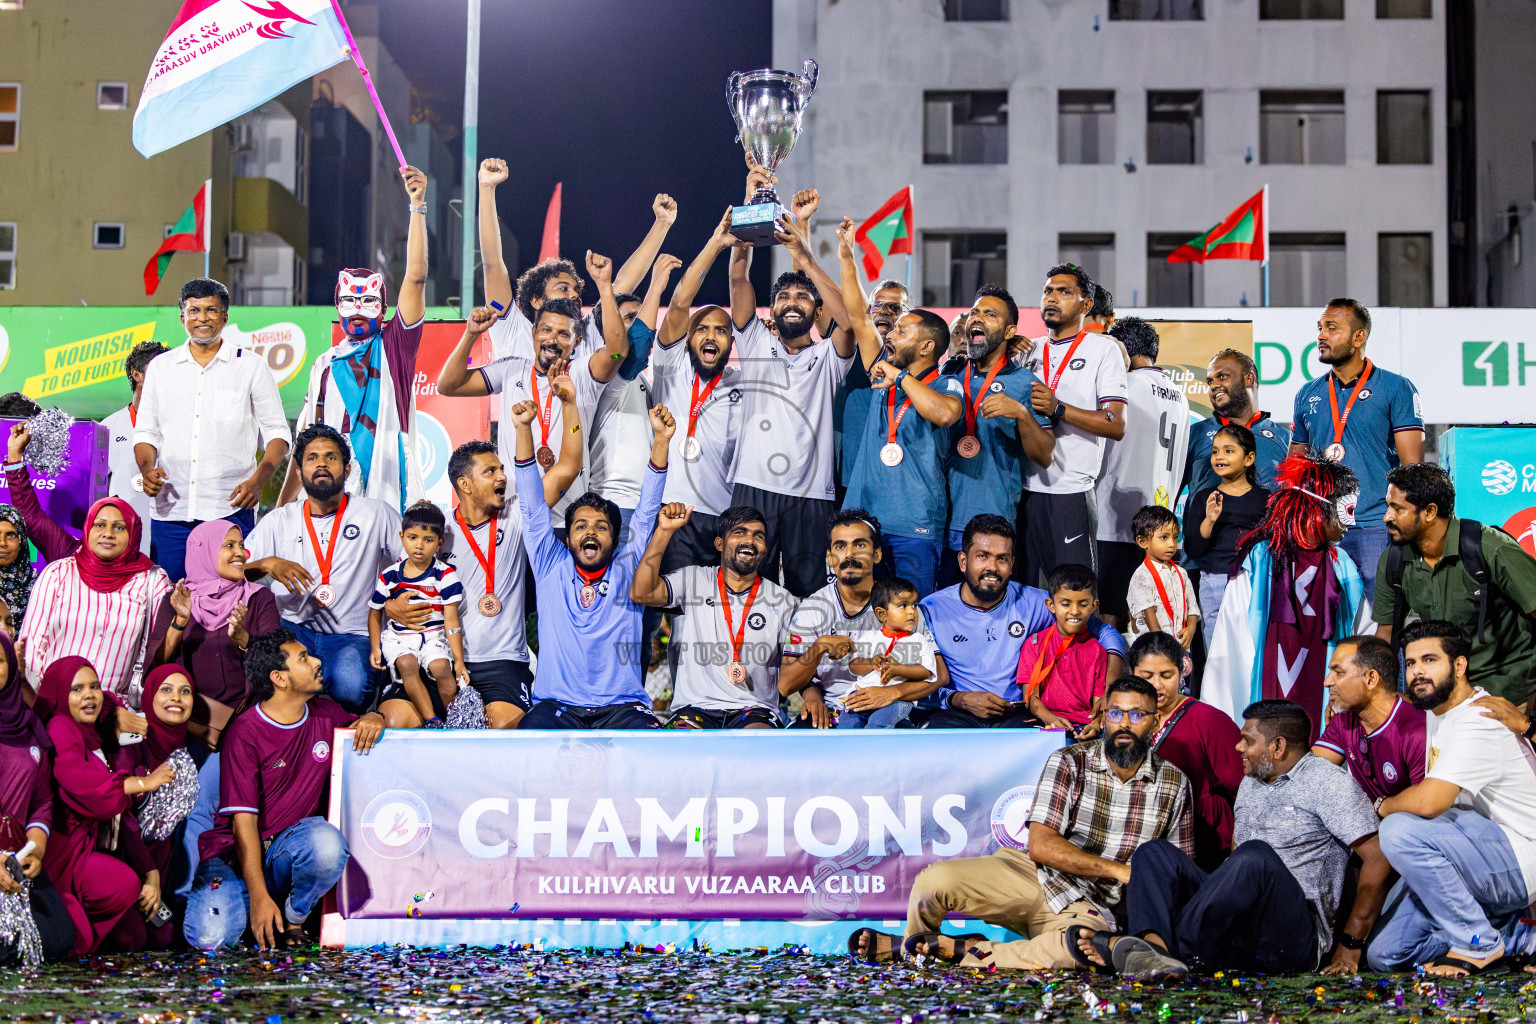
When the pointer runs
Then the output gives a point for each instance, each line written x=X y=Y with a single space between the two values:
x=589 y=661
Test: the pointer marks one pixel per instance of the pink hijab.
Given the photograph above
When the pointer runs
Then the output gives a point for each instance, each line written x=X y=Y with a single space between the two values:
x=213 y=596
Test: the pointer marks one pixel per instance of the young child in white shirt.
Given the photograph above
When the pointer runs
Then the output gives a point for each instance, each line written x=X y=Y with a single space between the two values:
x=885 y=659
x=1161 y=598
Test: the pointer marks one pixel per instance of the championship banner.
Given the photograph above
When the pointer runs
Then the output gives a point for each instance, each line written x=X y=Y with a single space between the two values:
x=640 y=825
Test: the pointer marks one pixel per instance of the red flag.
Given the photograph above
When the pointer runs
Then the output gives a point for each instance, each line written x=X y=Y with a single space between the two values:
x=549 y=249
x=190 y=234
x=1242 y=235
x=887 y=232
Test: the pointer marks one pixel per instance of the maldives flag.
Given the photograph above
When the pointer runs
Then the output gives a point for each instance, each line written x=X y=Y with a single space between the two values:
x=886 y=233
x=221 y=58
x=190 y=234
x=1242 y=235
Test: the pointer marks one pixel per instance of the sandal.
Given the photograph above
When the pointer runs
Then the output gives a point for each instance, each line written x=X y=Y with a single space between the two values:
x=872 y=954
x=1099 y=940
x=1457 y=963
x=931 y=941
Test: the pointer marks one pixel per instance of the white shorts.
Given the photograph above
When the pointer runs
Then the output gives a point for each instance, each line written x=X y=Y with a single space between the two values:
x=427 y=647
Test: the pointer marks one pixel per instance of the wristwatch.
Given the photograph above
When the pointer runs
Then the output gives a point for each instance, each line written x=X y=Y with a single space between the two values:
x=422 y=209
x=1348 y=941
x=1530 y=730
x=1058 y=413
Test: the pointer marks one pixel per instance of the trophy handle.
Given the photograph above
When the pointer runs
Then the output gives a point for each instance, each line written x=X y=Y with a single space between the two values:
x=808 y=79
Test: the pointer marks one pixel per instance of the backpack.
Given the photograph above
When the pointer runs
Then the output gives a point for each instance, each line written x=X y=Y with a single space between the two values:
x=1470 y=550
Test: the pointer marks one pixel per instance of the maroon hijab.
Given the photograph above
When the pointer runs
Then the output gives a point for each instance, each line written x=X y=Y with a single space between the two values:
x=103 y=576
x=19 y=725
x=163 y=738
x=53 y=696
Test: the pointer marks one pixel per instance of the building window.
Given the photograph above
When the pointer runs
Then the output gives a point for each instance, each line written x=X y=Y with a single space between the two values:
x=1403 y=9
x=1306 y=269
x=1095 y=253
x=111 y=95
x=301 y=166
x=1301 y=126
x=1298 y=10
x=975 y=10
x=7 y=255
x=1402 y=127
x=106 y=235
x=1172 y=284
x=1156 y=10
x=10 y=115
x=1085 y=126
x=1175 y=128
x=956 y=263
x=1404 y=270
x=965 y=127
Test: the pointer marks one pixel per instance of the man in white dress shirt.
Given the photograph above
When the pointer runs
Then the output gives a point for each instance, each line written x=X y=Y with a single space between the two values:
x=203 y=407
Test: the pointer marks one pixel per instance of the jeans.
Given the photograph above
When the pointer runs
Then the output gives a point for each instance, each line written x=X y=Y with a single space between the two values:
x=1462 y=891
x=169 y=539
x=1248 y=915
x=888 y=717
x=916 y=561
x=201 y=817
x=1212 y=586
x=1365 y=545
x=349 y=679
x=302 y=863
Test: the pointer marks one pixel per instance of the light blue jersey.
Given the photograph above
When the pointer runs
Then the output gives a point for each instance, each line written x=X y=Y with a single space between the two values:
x=981 y=648
x=1388 y=404
x=589 y=657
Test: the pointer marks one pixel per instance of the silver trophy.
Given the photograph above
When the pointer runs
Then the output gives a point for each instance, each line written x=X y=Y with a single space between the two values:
x=767 y=106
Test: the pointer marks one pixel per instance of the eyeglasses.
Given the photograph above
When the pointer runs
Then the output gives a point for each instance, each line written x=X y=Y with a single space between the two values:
x=886 y=307
x=368 y=305
x=1116 y=716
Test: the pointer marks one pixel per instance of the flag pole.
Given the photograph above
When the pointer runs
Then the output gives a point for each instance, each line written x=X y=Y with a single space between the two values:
x=469 y=203
x=911 y=198
x=357 y=58
x=207 y=226
x=1266 y=243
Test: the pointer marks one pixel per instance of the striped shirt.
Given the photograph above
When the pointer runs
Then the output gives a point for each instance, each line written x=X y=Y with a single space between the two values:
x=1080 y=797
x=66 y=617
x=433 y=589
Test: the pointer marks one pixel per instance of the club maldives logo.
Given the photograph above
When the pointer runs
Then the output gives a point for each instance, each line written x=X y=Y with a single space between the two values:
x=1010 y=817
x=1499 y=477
x=396 y=824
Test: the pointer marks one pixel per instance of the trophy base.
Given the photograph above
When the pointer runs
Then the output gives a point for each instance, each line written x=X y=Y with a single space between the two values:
x=754 y=223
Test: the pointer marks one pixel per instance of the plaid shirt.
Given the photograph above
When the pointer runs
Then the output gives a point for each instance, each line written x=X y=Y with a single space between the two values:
x=1081 y=797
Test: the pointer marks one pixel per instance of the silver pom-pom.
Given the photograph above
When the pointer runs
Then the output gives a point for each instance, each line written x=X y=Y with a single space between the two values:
x=18 y=929
x=167 y=806
x=467 y=710
x=48 y=451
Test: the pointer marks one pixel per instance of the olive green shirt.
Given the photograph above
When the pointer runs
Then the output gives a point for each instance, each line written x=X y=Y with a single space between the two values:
x=1506 y=663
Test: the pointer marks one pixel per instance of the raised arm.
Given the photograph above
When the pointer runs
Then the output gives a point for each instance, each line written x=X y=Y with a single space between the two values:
x=456 y=379
x=675 y=324
x=661 y=273
x=649 y=587
x=559 y=477
x=796 y=237
x=604 y=363
x=854 y=302
x=498 y=283
x=411 y=306
x=743 y=296
x=627 y=279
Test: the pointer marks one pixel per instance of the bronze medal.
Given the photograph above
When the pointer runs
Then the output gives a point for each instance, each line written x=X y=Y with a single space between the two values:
x=968 y=447
x=545 y=456
x=489 y=605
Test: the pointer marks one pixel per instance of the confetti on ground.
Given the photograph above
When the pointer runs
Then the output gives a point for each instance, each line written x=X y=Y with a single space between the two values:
x=689 y=986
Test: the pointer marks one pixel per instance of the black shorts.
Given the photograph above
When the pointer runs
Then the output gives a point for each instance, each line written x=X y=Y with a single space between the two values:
x=1118 y=562
x=954 y=718
x=706 y=718
x=508 y=681
x=554 y=714
x=797 y=537
x=1056 y=529
x=395 y=690
x=694 y=544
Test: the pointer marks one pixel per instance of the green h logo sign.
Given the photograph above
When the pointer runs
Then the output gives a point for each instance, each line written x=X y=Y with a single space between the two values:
x=1488 y=363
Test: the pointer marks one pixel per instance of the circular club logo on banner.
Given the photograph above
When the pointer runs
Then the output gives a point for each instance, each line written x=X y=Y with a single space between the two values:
x=1499 y=477
x=1010 y=817
x=1522 y=527
x=396 y=824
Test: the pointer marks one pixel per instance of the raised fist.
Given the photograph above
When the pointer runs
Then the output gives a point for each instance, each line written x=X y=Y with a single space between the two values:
x=665 y=209
x=493 y=171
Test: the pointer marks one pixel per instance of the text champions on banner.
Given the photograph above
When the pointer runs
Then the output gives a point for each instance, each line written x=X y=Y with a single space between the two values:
x=714 y=825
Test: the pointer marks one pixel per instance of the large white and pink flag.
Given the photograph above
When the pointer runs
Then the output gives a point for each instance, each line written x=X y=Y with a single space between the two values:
x=221 y=58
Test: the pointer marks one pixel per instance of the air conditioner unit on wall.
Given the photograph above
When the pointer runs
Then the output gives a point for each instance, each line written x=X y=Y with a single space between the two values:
x=234 y=247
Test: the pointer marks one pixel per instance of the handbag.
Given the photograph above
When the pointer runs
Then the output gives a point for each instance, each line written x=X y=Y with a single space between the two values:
x=133 y=693
x=209 y=720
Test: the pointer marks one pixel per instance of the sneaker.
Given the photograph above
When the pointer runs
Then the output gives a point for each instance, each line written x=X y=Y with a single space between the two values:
x=1138 y=960
x=433 y=723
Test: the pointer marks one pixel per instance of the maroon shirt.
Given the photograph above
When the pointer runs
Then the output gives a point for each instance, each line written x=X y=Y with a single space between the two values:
x=277 y=772
x=1202 y=743
x=212 y=658
x=26 y=790
x=1384 y=762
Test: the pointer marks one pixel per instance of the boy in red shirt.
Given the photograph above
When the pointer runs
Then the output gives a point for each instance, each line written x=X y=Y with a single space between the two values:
x=1062 y=668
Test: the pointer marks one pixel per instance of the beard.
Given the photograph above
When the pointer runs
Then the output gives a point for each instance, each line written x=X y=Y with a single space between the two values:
x=789 y=332
x=1435 y=697
x=745 y=560
x=1264 y=771
x=323 y=490
x=989 y=587
x=978 y=350
x=707 y=373
x=851 y=571
x=1333 y=357
x=1127 y=756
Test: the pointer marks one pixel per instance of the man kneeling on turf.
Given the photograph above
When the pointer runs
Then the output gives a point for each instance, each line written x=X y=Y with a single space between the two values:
x=1095 y=805
x=1271 y=904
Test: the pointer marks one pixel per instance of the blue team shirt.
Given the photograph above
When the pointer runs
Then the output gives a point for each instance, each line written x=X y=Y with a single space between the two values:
x=992 y=481
x=1388 y=404
x=590 y=657
x=981 y=648
x=1272 y=444
x=908 y=498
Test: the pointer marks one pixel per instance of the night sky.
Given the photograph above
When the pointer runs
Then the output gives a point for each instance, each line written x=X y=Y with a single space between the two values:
x=617 y=99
